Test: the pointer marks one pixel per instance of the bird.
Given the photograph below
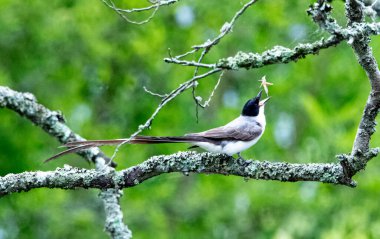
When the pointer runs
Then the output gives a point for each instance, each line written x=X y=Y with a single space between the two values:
x=232 y=138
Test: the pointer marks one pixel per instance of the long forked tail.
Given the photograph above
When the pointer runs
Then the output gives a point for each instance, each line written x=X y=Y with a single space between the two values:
x=80 y=145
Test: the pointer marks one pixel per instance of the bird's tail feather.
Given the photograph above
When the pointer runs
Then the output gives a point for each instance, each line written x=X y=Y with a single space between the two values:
x=73 y=149
x=137 y=140
x=80 y=145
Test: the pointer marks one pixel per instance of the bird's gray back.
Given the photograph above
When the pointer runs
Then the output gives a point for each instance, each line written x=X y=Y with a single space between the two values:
x=242 y=128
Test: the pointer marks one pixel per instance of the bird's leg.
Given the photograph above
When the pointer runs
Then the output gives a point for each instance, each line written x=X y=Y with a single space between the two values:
x=240 y=159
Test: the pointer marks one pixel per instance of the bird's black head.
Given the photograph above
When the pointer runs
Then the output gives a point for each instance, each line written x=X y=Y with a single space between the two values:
x=252 y=107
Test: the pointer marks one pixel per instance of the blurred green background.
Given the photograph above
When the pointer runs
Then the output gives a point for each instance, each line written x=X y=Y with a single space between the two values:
x=81 y=58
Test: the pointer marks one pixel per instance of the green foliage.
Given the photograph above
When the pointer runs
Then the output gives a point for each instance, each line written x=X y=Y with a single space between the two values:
x=81 y=58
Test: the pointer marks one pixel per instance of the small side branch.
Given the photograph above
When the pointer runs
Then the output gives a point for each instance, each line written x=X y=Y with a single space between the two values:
x=114 y=216
x=320 y=12
x=283 y=55
x=280 y=54
x=207 y=45
x=169 y=97
x=124 y=13
x=114 y=224
x=153 y=93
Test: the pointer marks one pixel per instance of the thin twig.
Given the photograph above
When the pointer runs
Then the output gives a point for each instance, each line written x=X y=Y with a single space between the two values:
x=207 y=102
x=188 y=63
x=224 y=30
x=154 y=94
x=206 y=46
x=123 y=12
x=184 y=86
x=197 y=104
x=160 y=3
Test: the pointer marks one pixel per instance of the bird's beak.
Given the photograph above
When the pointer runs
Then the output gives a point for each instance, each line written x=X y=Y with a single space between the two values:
x=259 y=94
x=261 y=103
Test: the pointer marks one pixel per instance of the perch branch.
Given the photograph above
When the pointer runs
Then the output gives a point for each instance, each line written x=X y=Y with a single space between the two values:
x=183 y=162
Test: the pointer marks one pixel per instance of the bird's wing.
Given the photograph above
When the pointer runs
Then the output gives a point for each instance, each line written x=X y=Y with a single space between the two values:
x=244 y=132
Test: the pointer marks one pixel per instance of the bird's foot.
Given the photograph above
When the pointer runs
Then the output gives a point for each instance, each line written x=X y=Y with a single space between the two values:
x=240 y=160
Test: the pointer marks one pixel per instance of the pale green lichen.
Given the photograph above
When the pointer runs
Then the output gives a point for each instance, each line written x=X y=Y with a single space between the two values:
x=280 y=54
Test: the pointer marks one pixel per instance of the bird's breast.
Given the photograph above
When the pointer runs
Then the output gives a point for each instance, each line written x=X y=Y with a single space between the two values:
x=214 y=148
x=234 y=147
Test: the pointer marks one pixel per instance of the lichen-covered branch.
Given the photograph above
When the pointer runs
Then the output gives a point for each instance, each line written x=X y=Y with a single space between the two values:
x=111 y=182
x=26 y=105
x=364 y=54
x=320 y=12
x=52 y=122
x=114 y=217
x=182 y=162
x=114 y=224
x=282 y=55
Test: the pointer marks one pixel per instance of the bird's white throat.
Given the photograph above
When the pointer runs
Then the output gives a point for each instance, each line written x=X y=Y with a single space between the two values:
x=260 y=118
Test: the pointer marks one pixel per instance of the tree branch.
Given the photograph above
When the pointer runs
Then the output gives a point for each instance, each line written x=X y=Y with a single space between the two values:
x=26 y=105
x=111 y=181
x=182 y=162
x=114 y=224
x=114 y=216
x=165 y=100
x=207 y=45
x=155 y=5
x=364 y=54
x=52 y=122
x=280 y=54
